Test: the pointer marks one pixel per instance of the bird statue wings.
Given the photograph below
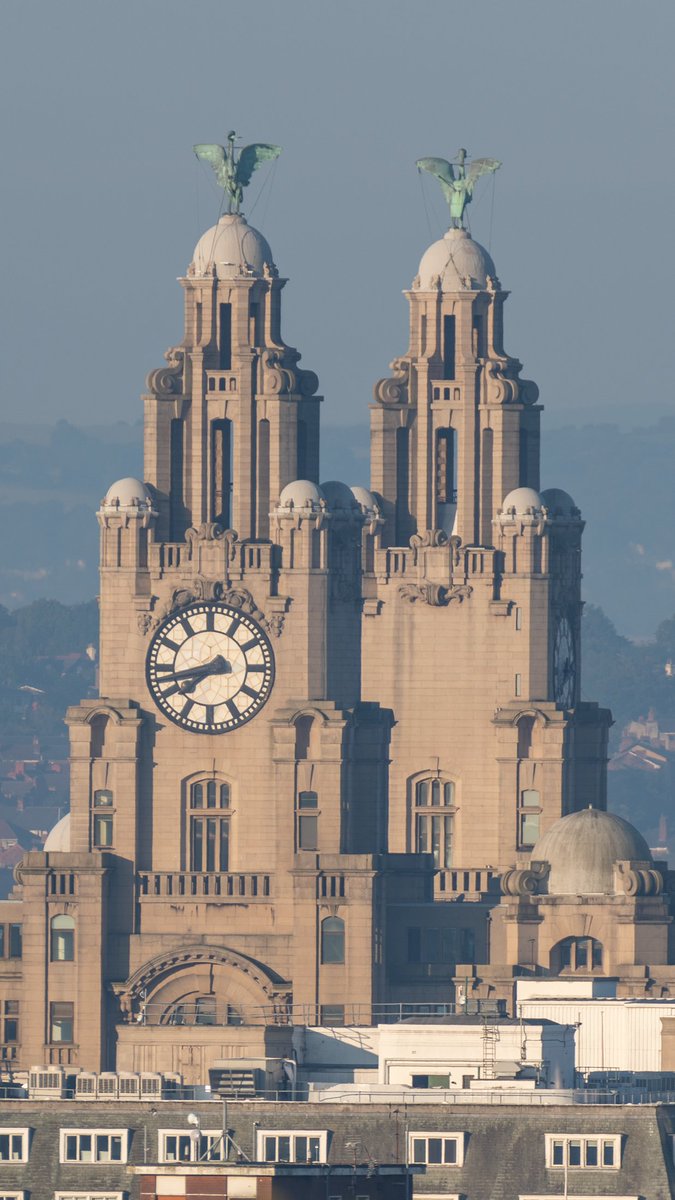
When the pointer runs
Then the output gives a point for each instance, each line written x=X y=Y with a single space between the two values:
x=458 y=188
x=233 y=175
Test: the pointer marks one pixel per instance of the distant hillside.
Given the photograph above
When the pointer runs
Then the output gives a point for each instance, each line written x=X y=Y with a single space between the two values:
x=51 y=481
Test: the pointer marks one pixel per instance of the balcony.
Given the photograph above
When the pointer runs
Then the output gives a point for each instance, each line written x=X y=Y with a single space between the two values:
x=471 y=884
x=200 y=885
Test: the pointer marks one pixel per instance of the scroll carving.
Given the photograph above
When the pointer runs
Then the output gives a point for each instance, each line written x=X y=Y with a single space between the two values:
x=394 y=389
x=434 y=593
x=165 y=382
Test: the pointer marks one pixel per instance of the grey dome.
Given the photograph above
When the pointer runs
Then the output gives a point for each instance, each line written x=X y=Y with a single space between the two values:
x=58 y=838
x=232 y=247
x=301 y=493
x=457 y=261
x=127 y=493
x=558 y=502
x=338 y=495
x=582 y=848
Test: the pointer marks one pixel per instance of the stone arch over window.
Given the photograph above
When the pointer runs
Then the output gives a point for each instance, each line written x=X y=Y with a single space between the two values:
x=62 y=938
x=433 y=809
x=198 y=985
x=580 y=955
x=208 y=822
x=332 y=940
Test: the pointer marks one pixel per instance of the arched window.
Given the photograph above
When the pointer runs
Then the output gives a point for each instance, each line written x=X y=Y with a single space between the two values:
x=209 y=821
x=332 y=940
x=525 y=728
x=99 y=726
x=434 y=815
x=62 y=945
x=579 y=954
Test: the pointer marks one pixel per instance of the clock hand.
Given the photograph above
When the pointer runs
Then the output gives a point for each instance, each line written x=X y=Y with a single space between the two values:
x=217 y=666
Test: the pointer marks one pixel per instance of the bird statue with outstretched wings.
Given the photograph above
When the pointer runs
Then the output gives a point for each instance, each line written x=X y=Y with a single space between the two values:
x=235 y=176
x=458 y=188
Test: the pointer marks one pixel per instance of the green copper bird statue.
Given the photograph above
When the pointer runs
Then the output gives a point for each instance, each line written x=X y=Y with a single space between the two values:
x=458 y=188
x=235 y=176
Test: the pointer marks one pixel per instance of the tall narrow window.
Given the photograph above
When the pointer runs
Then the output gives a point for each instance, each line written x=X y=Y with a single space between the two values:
x=446 y=455
x=176 y=498
x=434 y=817
x=61 y=1021
x=486 y=472
x=255 y=329
x=308 y=821
x=209 y=826
x=529 y=818
x=225 y=336
x=332 y=940
x=62 y=938
x=221 y=473
x=524 y=466
x=103 y=819
x=264 y=478
x=402 y=486
x=479 y=335
x=448 y=347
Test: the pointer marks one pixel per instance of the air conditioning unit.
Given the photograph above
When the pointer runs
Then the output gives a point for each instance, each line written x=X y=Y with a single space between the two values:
x=150 y=1085
x=47 y=1083
x=129 y=1086
x=85 y=1085
x=107 y=1087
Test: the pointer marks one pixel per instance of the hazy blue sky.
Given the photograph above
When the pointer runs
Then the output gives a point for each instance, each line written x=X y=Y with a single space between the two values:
x=102 y=200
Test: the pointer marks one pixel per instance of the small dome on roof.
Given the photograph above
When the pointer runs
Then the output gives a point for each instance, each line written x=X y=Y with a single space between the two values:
x=58 y=838
x=458 y=262
x=582 y=848
x=366 y=499
x=558 y=502
x=234 y=248
x=521 y=501
x=338 y=495
x=127 y=493
x=301 y=493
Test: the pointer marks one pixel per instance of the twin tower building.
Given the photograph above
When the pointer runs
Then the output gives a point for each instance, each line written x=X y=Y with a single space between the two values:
x=339 y=761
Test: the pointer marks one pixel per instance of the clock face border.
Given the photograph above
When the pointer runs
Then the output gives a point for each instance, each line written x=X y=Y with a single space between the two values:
x=564 y=689
x=177 y=618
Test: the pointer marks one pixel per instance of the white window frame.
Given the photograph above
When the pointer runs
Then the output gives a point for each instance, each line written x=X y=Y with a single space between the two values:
x=216 y=1136
x=86 y=1195
x=12 y=1196
x=557 y=1196
x=321 y=1134
x=427 y=1135
x=94 y=1161
x=24 y=1134
x=584 y=1138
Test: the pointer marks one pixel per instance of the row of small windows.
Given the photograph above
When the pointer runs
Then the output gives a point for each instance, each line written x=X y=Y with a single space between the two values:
x=433 y=1149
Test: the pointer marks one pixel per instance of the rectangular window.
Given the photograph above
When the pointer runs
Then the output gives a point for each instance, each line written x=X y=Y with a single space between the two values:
x=103 y=830
x=592 y=1153
x=436 y=1149
x=10 y=1021
x=517 y=685
x=225 y=337
x=308 y=821
x=61 y=1022
x=433 y=835
x=15 y=941
x=332 y=1014
x=209 y=844
x=14 y=1145
x=94 y=1145
x=221 y=472
x=448 y=347
x=519 y=618
x=301 y=1146
x=206 y=1145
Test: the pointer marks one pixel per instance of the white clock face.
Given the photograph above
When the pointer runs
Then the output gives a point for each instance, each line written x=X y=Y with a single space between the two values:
x=210 y=668
x=564 y=667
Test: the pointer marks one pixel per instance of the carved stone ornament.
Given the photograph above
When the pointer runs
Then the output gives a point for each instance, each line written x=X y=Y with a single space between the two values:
x=166 y=382
x=210 y=531
x=524 y=881
x=394 y=389
x=430 y=537
x=637 y=881
x=434 y=593
x=281 y=379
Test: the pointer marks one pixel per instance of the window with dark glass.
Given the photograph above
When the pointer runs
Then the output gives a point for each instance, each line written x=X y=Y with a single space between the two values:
x=577 y=954
x=15 y=941
x=225 y=337
x=221 y=472
x=62 y=946
x=10 y=1021
x=332 y=940
x=448 y=347
x=61 y=1021
x=308 y=821
x=434 y=819
x=209 y=826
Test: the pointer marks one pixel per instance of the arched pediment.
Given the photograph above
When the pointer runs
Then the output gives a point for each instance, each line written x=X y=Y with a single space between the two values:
x=162 y=975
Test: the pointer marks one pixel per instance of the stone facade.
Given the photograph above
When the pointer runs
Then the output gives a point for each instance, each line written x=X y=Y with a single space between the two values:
x=330 y=720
